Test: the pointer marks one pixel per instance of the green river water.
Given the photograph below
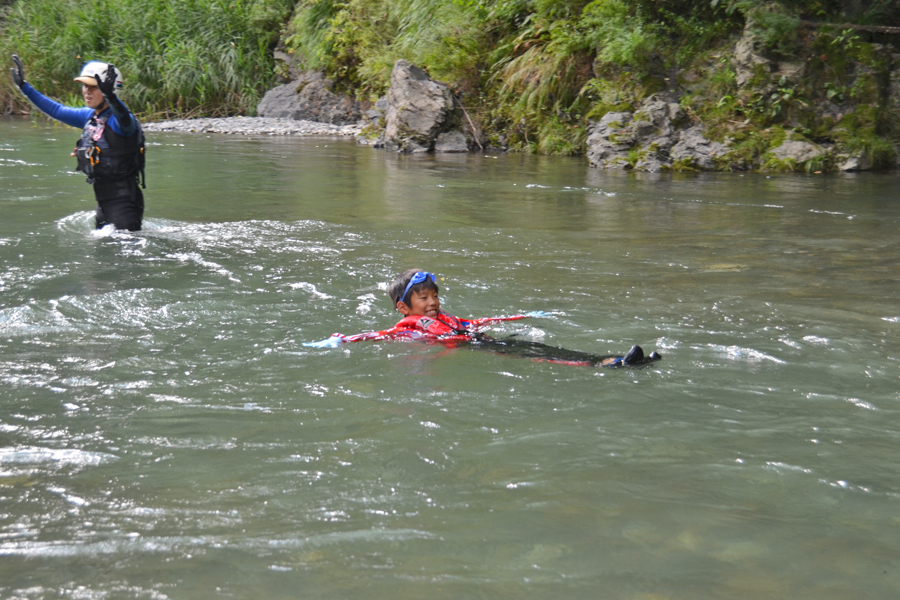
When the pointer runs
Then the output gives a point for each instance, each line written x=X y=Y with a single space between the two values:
x=164 y=433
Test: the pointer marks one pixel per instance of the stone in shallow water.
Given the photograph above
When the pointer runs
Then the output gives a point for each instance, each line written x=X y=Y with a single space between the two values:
x=451 y=141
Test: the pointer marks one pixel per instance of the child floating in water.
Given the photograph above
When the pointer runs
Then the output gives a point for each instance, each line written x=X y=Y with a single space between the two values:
x=415 y=295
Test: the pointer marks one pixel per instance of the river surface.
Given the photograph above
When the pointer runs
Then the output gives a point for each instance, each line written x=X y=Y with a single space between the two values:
x=164 y=433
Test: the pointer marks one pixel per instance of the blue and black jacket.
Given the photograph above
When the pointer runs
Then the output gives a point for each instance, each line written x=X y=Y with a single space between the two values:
x=111 y=147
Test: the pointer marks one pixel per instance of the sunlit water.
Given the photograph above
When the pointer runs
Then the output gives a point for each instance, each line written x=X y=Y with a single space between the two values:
x=165 y=434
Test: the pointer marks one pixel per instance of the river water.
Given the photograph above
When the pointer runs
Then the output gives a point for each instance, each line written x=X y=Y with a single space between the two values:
x=164 y=433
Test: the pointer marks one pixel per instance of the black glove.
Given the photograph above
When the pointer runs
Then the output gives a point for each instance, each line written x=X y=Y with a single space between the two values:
x=18 y=72
x=108 y=85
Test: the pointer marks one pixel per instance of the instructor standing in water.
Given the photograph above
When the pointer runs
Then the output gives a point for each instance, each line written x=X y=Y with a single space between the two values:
x=111 y=149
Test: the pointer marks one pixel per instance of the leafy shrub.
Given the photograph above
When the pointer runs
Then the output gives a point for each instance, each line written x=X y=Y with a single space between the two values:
x=777 y=29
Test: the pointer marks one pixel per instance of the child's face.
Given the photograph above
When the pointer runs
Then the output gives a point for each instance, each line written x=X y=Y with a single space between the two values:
x=425 y=302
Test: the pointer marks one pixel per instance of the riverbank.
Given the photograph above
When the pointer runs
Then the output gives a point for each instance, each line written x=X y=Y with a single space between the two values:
x=253 y=126
x=757 y=85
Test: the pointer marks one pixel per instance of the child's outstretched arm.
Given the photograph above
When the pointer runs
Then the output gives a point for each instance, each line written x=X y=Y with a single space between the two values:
x=336 y=339
x=476 y=323
x=403 y=331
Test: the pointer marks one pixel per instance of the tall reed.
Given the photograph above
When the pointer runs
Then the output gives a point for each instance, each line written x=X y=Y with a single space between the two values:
x=178 y=57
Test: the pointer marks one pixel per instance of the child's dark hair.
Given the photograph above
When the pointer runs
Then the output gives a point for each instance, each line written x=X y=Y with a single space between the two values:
x=398 y=285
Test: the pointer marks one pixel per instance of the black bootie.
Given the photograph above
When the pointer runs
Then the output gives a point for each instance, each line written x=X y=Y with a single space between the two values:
x=635 y=355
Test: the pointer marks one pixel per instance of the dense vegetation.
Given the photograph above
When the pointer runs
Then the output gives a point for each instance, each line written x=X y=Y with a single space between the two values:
x=531 y=72
x=187 y=57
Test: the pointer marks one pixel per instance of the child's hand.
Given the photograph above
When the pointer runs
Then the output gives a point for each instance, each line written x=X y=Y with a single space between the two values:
x=538 y=313
x=333 y=342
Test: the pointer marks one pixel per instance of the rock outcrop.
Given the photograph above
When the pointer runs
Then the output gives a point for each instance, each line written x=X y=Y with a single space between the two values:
x=310 y=98
x=798 y=151
x=420 y=116
x=756 y=68
x=656 y=137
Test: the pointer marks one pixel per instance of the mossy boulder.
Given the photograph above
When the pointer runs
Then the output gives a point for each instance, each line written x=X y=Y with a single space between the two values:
x=657 y=137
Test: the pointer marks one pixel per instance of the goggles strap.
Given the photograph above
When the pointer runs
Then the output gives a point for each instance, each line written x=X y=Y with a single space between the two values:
x=416 y=279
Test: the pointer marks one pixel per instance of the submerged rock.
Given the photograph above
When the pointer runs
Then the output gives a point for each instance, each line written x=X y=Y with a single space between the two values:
x=451 y=141
x=310 y=98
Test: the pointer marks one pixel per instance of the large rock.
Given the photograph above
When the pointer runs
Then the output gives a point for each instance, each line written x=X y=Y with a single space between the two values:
x=798 y=151
x=451 y=141
x=419 y=110
x=693 y=148
x=656 y=137
x=310 y=98
x=609 y=140
x=859 y=162
x=750 y=59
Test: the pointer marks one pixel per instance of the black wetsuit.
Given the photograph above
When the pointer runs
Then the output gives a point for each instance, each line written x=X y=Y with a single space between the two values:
x=113 y=162
x=543 y=353
x=110 y=152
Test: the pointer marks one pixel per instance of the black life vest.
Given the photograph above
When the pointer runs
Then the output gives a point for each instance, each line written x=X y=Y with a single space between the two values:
x=107 y=157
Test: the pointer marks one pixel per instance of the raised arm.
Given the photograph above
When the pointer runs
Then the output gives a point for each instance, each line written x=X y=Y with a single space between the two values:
x=124 y=123
x=73 y=117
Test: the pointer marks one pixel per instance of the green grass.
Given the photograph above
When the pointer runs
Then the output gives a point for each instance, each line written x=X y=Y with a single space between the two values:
x=178 y=57
x=532 y=72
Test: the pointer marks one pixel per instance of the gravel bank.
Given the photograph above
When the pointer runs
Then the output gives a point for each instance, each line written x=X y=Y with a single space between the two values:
x=253 y=126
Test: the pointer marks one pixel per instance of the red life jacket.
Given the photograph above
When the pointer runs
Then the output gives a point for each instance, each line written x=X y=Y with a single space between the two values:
x=443 y=327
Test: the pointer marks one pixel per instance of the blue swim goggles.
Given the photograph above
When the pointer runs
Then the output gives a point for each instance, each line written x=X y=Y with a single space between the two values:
x=418 y=278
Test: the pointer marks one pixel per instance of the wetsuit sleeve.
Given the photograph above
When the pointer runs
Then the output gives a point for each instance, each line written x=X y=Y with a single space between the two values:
x=122 y=121
x=476 y=323
x=73 y=117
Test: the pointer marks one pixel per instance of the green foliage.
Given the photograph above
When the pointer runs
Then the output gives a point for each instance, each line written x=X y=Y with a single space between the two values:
x=561 y=138
x=620 y=38
x=532 y=73
x=634 y=156
x=358 y=41
x=307 y=30
x=778 y=30
x=880 y=152
x=606 y=96
x=191 y=57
